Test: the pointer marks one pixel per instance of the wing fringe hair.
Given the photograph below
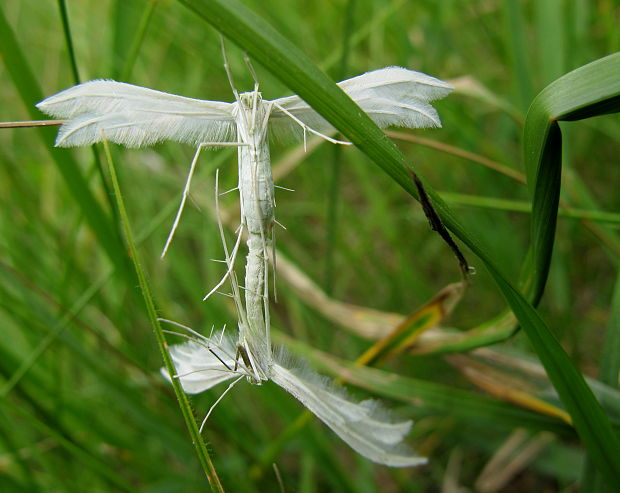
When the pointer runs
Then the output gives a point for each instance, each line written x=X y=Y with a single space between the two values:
x=136 y=116
x=366 y=426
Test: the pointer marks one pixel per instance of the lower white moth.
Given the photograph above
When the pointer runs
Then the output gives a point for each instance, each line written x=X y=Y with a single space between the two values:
x=136 y=117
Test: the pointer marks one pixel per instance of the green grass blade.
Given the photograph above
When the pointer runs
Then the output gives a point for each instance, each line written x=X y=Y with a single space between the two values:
x=30 y=93
x=608 y=374
x=588 y=91
x=294 y=69
x=136 y=41
x=610 y=361
x=64 y=17
x=197 y=440
x=516 y=47
x=85 y=456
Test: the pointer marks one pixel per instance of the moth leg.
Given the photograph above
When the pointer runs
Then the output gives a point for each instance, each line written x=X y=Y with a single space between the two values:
x=230 y=386
x=187 y=186
x=230 y=265
x=309 y=129
x=230 y=258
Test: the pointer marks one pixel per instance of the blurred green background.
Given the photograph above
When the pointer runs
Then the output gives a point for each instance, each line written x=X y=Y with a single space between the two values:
x=83 y=407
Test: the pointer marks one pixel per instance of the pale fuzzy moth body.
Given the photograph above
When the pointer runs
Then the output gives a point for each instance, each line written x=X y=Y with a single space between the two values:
x=257 y=204
x=136 y=117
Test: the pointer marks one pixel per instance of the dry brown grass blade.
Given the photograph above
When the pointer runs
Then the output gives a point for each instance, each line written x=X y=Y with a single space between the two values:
x=507 y=386
x=31 y=123
x=515 y=455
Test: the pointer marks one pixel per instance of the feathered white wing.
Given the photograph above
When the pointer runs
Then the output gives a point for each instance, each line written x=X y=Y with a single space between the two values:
x=391 y=96
x=365 y=426
x=199 y=369
x=135 y=116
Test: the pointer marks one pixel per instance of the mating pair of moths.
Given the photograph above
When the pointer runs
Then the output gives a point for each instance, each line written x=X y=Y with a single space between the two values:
x=136 y=116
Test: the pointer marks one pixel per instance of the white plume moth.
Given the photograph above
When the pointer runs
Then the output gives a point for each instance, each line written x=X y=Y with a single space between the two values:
x=136 y=117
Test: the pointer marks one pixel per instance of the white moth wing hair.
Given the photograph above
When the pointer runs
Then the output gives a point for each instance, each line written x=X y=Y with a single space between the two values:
x=365 y=426
x=199 y=369
x=135 y=116
x=391 y=96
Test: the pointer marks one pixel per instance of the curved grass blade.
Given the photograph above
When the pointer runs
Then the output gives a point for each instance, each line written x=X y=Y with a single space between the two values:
x=297 y=71
x=192 y=426
x=588 y=91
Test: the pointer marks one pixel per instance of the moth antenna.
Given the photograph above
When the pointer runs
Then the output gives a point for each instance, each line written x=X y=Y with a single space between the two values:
x=284 y=188
x=183 y=199
x=227 y=69
x=248 y=63
x=279 y=224
x=230 y=386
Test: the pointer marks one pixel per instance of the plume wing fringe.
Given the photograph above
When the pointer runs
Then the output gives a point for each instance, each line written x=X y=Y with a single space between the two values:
x=136 y=116
x=391 y=96
x=199 y=369
x=366 y=427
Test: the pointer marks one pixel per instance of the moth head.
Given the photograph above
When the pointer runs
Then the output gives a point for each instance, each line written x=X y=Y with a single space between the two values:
x=250 y=99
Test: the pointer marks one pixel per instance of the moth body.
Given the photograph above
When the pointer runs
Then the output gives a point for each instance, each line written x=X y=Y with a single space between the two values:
x=256 y=192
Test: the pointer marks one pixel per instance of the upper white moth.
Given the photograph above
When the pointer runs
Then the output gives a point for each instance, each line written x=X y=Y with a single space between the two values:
x=136 y=116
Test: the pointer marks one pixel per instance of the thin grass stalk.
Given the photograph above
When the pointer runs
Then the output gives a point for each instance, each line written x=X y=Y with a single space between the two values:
x=66 y=29
x=192 y=426
x=134 y=49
